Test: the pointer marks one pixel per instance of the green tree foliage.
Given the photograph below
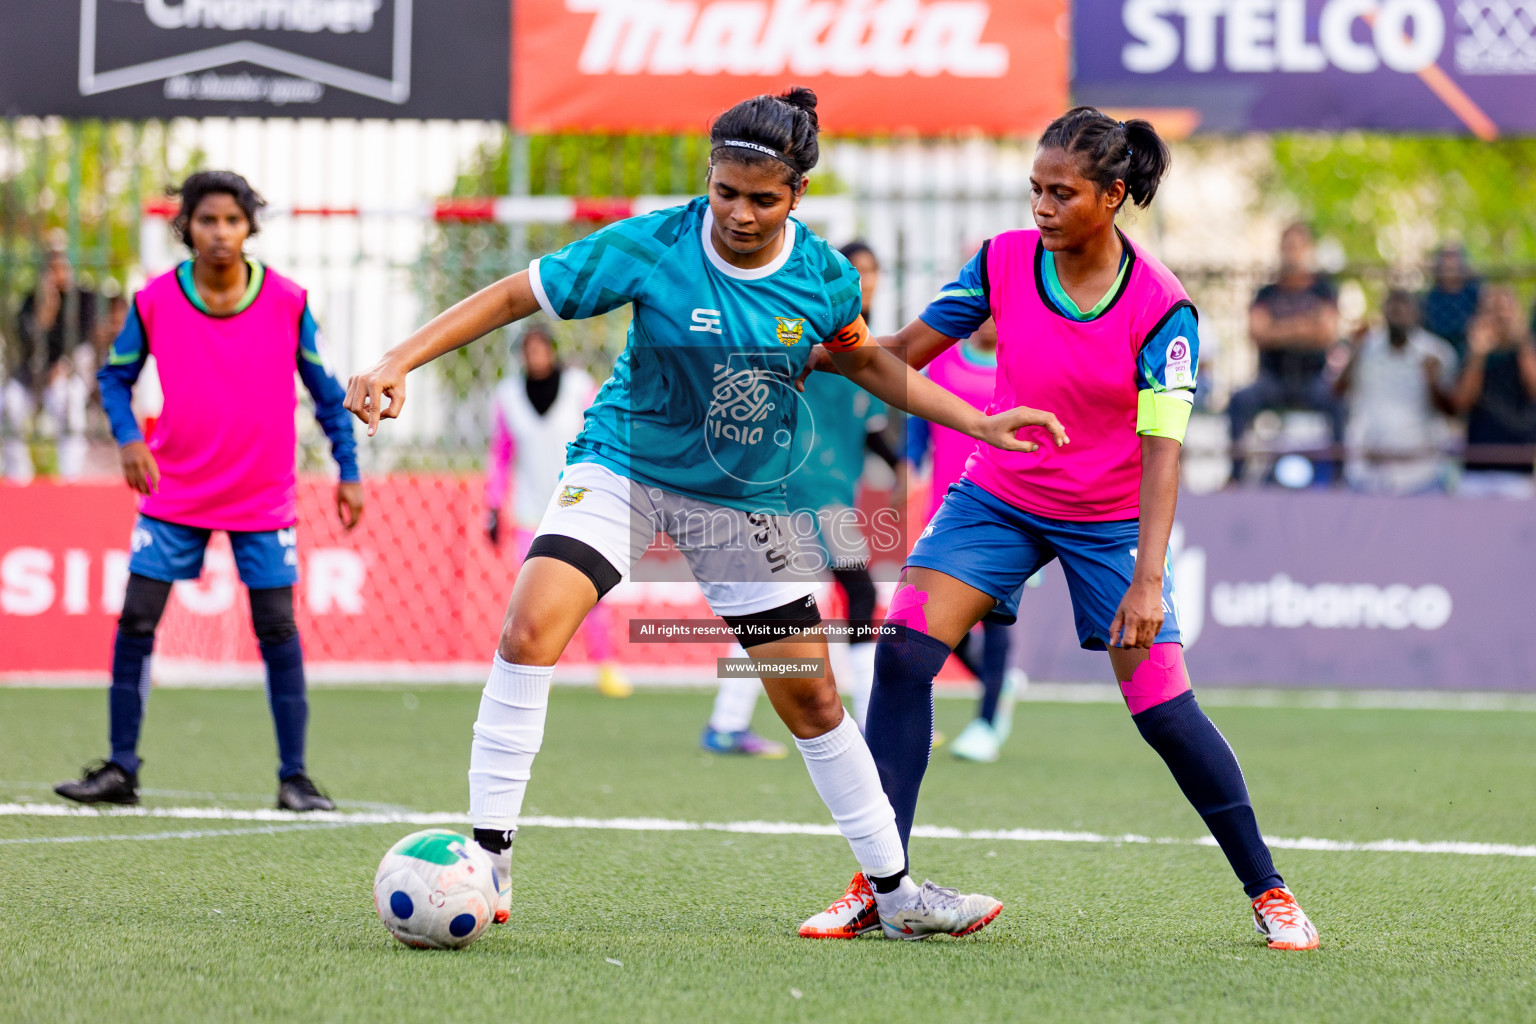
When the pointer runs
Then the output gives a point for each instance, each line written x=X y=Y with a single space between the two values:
x=1391 y=198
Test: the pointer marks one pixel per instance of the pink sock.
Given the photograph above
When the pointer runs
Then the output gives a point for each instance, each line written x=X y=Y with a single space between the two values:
x=1158 y=679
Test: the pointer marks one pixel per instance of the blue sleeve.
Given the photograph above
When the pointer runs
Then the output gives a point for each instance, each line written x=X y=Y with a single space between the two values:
x=1170 y=357
x=328 y=394
x=606 y=269
x=130 y=351
x=918 y=433
x=964 y=304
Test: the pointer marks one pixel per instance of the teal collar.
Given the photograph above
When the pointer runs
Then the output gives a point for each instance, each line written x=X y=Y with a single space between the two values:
x=258 y=274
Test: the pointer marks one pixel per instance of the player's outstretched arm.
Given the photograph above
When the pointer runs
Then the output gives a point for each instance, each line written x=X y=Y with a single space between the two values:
x=880 y=372
x=502 y=303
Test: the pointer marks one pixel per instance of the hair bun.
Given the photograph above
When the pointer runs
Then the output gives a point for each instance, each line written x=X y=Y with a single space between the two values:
x=803 y=98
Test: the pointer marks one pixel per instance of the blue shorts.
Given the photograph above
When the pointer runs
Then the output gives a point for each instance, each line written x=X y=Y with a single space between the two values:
x=984 y=542
x=169 y=551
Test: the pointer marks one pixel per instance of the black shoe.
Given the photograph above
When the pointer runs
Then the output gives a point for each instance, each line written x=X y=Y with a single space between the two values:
x=105 y=782
x=298 y=793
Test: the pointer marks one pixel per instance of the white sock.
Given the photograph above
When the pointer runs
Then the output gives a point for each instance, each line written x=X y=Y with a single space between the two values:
x=736 y=700
x=890 y=902
x=843 y=772
x=508 y=734
x=861 y=678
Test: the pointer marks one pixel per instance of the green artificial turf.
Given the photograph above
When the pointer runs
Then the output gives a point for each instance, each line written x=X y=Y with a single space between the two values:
x=279 y=925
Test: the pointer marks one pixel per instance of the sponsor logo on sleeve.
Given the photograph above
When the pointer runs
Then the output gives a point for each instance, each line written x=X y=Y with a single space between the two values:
x=1181 y=364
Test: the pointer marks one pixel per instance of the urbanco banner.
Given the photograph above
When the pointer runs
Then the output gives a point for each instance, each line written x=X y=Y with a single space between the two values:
x=1410 y=65
x=930 y=66
x=262 y=58
x=1334 y=590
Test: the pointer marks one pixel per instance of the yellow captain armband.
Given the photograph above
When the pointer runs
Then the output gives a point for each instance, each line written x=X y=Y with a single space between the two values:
x=1164 y=413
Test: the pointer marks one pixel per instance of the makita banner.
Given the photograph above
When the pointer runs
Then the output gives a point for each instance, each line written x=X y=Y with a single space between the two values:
x=1417 y=65
x=877 y=65
x=1331 y=590
x=290 y=58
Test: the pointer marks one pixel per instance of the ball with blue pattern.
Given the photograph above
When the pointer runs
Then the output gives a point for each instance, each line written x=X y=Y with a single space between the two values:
x=434 y=890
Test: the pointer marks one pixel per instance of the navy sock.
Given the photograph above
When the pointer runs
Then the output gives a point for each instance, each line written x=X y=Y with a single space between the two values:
x=994 y=662
x=1206 y=770
x=290 y=708
x=899 y=727
x=128 y=696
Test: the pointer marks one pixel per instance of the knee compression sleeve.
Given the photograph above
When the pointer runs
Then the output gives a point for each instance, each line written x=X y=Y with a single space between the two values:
x=778 y=623
x=1157 y=680
x=272 y=615
x=143 y=604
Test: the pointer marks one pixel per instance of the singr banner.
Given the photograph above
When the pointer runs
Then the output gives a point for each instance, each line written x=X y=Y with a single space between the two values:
x=290 y=58
x=1419 y=65
x=877 y=65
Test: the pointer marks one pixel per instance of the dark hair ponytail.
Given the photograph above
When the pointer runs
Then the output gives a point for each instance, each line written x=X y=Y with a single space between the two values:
x=1129 y=151
x=779 y=129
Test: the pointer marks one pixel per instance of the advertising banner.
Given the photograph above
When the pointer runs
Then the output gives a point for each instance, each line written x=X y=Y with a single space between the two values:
x=877 y=65
x=1331 y=590
x=1272 y=590
x=1411 y=65
x=289 y=58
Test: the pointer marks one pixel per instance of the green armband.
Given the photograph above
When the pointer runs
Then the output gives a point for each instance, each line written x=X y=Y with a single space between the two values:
x=1163 y=414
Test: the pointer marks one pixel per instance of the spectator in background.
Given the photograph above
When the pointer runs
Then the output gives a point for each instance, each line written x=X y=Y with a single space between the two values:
x=1497 y=391
x=1293 y=322
x=538 y=410
x=1452 y=297
x=1398 y=383
x=53 y=322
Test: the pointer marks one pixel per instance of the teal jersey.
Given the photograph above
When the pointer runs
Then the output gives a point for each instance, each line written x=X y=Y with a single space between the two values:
x=836 y=416
x=701 y=401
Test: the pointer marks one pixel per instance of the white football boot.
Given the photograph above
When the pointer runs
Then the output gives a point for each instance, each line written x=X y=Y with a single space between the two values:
x=501 y=874
x=916 y=912
x=1279 y=918
x=977 y=742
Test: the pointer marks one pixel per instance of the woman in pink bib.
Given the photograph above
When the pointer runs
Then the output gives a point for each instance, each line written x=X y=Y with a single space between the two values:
x=1093 y=328
x=218 y=325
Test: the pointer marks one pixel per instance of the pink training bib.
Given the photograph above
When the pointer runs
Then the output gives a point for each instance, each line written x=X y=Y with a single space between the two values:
x=958 y=371
x=1084 y=372
x=226 y=439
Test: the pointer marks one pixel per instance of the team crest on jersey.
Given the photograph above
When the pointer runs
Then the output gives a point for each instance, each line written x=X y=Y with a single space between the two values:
x=571 y=495
x=789 y=330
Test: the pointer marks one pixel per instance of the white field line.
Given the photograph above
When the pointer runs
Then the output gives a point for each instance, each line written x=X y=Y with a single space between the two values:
x=197 y=833
x=774 y=828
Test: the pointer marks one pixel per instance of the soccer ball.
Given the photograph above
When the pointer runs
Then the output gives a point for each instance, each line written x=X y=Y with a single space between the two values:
x=435 y=890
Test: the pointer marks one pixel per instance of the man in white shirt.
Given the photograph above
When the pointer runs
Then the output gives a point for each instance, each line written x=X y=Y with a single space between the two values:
x=1398 y=385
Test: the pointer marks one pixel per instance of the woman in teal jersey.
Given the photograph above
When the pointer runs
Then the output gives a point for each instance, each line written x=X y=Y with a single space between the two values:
x=691 y=436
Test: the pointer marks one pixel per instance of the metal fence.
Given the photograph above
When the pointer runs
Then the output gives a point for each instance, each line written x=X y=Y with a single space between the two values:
x=386 y=222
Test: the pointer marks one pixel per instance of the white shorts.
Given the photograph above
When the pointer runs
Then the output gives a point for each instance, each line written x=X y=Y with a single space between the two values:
x=744 y=562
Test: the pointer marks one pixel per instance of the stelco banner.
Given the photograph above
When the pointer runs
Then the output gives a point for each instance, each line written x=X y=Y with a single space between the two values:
x=1272 y=589
x=291 y=58
x=876 y=65
x=1426 y=65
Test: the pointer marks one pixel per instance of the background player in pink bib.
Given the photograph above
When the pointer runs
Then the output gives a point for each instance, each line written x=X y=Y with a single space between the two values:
x=218 y=325
x=1095 y=329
